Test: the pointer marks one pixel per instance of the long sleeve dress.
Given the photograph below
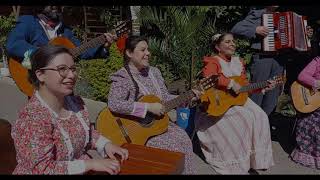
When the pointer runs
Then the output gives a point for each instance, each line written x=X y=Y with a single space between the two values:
x=240 y=139
x=48 y=144
x=122 y=100
x=307 y=151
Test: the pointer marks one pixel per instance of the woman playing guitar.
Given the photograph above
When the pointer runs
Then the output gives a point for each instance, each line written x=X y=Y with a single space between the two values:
x=307 y=152
x=136 y=79
x=238 y=140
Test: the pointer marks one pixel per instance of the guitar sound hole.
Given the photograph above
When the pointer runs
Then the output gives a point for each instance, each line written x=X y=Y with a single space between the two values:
x=148 y=120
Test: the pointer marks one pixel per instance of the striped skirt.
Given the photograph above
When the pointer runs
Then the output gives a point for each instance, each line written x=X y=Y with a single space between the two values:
x=237 y=141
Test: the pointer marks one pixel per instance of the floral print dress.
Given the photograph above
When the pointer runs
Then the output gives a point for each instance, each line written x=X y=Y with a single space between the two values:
x=48 y=144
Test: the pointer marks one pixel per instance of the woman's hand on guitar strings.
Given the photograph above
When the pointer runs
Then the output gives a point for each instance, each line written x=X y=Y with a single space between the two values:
x=236 y=87
x=156 y=108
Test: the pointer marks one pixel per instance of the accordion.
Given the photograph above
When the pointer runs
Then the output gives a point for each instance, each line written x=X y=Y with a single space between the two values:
x=287 y=30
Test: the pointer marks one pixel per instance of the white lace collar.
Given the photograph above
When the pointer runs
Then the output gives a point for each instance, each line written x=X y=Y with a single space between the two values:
x=232 y=68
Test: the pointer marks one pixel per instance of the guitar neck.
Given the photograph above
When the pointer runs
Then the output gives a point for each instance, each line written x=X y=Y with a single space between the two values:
x=253 y=86
x=98 y=41
x=178 y=101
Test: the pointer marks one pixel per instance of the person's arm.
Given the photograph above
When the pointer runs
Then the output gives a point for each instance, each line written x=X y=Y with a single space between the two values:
x=35 y=148
x=120 y=98
x=306 y=76
x=247 y=27
x=212 y=68
x=90 y=53
x=18 y=39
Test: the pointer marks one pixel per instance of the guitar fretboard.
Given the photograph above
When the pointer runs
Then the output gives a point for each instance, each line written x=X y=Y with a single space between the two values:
x=91 y=44
x=253 y=86
x=178 y=101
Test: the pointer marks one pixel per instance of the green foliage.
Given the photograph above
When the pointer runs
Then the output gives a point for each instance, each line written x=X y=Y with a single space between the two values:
x=183 y=32
x=94 y=74
x=79 y=32
x=6 y=25
x=180 y=34
x=166 y=72
x=109 y=19
x=243 y=49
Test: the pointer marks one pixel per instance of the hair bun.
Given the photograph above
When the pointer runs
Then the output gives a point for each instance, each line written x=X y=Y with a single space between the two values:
x=216 y=37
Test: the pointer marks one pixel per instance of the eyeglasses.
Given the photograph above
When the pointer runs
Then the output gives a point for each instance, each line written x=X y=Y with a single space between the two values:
x=63 y=70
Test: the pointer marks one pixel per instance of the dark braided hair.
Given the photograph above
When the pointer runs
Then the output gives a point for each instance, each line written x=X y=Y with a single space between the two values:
x=131 y=43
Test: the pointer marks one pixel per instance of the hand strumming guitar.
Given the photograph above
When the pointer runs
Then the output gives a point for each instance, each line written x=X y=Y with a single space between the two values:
x=155 y=108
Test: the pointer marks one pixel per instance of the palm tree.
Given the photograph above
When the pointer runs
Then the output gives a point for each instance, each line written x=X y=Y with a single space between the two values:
x=181 y=39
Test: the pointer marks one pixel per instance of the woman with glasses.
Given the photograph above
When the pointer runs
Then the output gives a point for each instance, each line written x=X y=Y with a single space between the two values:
x=52 y=134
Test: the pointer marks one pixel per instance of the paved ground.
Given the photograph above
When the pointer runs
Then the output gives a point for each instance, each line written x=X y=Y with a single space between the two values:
x=11 y=100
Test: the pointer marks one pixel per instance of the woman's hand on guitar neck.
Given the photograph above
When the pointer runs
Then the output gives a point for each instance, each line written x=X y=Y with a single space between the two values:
x=270 y=86
x=198 y=94
x=109 y=39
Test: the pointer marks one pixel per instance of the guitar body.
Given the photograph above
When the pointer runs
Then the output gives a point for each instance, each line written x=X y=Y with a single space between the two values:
x=20 y=73
x=20 y=76
x=138 y=133
x=305 y=99
x=218 y=101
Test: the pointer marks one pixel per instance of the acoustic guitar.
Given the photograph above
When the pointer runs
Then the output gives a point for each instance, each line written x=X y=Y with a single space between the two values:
x=146 y=160
x=120 y=128
x=304 y=98
x=20 y=74
x=217 y=102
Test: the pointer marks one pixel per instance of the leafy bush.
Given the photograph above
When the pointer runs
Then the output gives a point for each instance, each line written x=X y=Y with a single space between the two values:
x=179 y=36
x=6 y=25
x=94 y=82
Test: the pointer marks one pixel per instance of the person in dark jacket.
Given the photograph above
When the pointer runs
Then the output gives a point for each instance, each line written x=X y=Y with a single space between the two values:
x=33 y=31
x=264 y=66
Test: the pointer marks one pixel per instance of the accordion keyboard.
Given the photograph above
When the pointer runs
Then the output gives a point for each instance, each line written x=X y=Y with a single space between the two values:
x=269 y=41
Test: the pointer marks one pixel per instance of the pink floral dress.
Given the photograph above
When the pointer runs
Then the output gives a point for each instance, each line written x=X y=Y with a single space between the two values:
x=48 y=144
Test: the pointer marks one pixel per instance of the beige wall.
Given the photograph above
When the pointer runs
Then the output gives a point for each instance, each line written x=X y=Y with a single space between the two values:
x=12 y=100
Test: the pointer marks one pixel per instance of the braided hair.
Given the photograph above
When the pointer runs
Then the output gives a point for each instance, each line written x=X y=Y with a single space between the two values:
x=131 y=43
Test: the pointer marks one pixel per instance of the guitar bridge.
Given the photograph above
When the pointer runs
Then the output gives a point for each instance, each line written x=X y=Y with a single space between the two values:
x=217 y=99
x=305 y=99
x=123 y=130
